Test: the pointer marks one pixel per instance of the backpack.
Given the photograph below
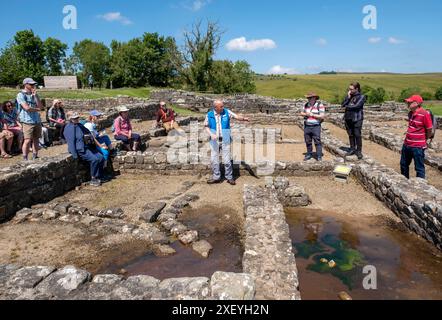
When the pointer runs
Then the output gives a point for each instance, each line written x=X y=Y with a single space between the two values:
x=433 y=120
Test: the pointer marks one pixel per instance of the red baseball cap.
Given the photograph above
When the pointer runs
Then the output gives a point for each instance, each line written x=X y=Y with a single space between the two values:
x=415 y=98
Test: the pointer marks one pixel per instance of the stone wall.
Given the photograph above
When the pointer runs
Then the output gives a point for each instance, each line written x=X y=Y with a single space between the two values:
x=85 y=105
x=29 y=183
x=246 y=103
x=165 y=162
x=268 y=253
x=70 y=283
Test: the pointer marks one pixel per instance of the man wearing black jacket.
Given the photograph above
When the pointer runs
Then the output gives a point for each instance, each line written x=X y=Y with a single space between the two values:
x=354 y=118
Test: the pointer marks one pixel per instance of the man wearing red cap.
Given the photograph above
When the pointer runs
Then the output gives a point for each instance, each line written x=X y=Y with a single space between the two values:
x=419 y=131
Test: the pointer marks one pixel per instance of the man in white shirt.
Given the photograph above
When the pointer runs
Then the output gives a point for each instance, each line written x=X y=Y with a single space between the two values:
x=217 y=125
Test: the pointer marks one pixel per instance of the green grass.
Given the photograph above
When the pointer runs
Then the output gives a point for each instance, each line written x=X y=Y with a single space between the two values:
x=185 y=112
x=436 y=108
x=9 y=94
x=327 y=86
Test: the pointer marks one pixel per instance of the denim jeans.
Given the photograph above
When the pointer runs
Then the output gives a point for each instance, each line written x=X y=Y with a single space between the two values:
x=409 y=154
x=96 y=161
x=313 y=134
x=227 y=160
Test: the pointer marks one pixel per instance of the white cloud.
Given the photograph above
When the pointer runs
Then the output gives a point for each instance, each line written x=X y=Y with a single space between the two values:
x=374 y=40
x=393 y=40
x=281 y=70
x=241 y=44
x=321 y=42
x=192 y=5
x=115 y=17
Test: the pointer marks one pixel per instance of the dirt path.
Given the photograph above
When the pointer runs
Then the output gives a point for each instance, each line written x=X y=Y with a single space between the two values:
x=347 y=199
x=386 y=156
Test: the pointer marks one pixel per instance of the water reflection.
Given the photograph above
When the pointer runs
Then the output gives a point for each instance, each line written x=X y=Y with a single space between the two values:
x=407 y=267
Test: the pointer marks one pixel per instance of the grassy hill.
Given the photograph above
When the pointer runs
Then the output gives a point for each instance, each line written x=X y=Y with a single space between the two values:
x=336 y=84
x=332 y=85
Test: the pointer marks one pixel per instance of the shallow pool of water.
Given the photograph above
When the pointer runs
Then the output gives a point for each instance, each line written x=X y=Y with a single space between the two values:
x=407 y=267
x=214 y=225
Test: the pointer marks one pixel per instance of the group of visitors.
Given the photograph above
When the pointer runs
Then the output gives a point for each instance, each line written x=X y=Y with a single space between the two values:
x=420 y=128
x=21 y=122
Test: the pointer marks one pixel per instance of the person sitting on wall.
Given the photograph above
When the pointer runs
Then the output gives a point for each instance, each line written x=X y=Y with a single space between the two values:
x=104 y=140
x=123 y=130
x=166 y=118
x=313 y=113
x=82 y=144
x=5 y=137
x=11 y=123
x=56 y=116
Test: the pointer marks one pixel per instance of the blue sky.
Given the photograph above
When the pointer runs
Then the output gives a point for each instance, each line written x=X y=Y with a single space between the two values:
x=290 y=35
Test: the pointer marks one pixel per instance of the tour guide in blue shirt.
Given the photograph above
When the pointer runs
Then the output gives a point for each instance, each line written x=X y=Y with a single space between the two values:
x=84 y=148
x=218 y=127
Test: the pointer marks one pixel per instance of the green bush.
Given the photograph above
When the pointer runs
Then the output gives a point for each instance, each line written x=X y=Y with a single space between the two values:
x=375 y=96
x=406 y=93
x=438 y=94
x=427 y=95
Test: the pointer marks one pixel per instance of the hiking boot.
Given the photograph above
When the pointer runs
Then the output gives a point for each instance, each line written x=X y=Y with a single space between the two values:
x=213 y=181
x=95 y=183
x=308 y=157
x=231 y=182
x=319 y=159
x=350 y=153
x=359 y=155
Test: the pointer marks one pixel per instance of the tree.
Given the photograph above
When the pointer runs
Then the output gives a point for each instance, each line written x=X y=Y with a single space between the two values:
x=151 y=59
x=93 y=58
x=11 y=67
x=199 y=48
x=29 y=49
x=54 y=52
x=229 y=77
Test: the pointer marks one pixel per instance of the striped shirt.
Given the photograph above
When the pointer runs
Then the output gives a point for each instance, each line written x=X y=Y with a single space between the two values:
x=420 y=121
x=317 y=109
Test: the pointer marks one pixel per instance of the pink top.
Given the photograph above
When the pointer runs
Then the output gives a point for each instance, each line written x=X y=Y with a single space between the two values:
x=122 y=126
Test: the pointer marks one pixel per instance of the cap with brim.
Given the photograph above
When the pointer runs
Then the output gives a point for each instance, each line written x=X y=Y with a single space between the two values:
x=95 y=113
x=312 y=95
x=75 y=115
x=123 y=109
x=415 y=98
x=29 y=81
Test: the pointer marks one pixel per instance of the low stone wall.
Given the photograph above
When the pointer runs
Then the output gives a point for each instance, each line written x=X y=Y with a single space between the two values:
x=85 y=105
x=70 y=283
x=29 y=183
x=164 y=162
x=268 y=254
x=244 y=103
x=388 y=106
